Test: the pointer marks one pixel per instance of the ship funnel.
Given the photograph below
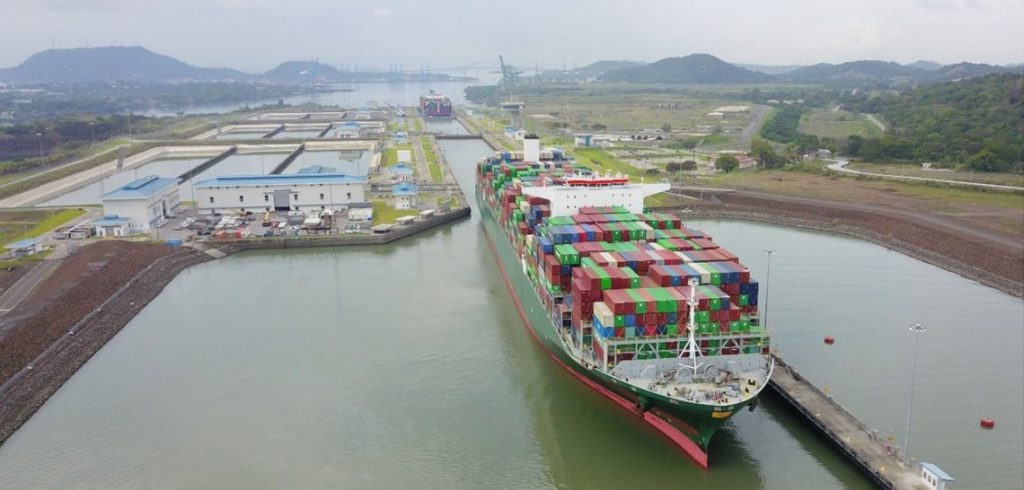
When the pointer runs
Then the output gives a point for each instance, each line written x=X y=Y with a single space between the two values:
x=531 y=148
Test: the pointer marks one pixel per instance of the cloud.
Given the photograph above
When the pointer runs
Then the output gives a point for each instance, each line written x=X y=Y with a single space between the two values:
x=382 y=12
x=950 y=4
x=91 y=6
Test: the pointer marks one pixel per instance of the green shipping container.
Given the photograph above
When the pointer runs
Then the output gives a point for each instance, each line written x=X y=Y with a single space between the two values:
x=620 y=320
x=744 y=300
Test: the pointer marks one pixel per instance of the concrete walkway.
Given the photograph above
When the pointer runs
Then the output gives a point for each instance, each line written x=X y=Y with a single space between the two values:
x=840 y=166
x=848 y=433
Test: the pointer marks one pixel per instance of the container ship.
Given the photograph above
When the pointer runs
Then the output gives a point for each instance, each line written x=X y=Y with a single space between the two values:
x=435 y=105
x=655 y=316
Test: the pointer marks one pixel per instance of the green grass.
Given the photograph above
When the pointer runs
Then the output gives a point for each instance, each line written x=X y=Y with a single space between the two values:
x=390 y=156
x=428 y=151
x=597 y=159
x=29 y=223
x=836 y=124
x=384 y=213
x=417 y=124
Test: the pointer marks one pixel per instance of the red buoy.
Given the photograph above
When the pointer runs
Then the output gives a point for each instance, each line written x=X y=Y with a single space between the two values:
x=988 y=423
x=830 y=340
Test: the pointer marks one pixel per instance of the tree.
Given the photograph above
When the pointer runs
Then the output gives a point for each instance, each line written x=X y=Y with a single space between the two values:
x=598 y=127
x=673 y=167
x=727 y=163
x=762 y=151
x=688 y=165
x=666 y=128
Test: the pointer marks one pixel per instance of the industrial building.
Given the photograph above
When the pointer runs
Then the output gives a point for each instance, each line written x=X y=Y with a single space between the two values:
x=145 y=203
x=286 y=192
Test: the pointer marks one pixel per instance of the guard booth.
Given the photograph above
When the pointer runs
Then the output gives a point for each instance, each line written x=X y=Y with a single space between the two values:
x=935 y=478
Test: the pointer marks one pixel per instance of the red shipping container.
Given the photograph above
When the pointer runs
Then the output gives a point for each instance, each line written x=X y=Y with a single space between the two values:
x=620 y=332
x=650 y=331
x=734 y=313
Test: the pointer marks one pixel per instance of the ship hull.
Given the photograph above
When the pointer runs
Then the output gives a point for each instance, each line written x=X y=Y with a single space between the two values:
x=689 y=426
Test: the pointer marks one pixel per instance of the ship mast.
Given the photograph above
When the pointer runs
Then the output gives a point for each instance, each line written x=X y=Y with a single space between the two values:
x=691 y=341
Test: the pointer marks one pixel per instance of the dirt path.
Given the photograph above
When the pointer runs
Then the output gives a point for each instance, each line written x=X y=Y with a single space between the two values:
x=976 y=253
x=875 y=121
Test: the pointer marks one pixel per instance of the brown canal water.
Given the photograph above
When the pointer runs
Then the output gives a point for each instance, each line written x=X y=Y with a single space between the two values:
x=406 y=365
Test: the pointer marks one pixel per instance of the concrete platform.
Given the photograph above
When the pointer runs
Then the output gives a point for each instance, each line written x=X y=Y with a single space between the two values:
x=851 y=436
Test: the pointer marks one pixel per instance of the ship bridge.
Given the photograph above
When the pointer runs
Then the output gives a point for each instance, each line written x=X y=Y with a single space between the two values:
x=593 y=190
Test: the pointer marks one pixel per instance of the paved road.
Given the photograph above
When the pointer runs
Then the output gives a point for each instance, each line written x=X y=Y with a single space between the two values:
x=757 y=115
x=28 y=283
x=840 y=166
x=62 y=165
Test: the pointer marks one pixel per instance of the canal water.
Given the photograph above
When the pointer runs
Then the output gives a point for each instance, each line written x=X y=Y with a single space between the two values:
x=91 y=193
x=350 y=162
x=354 y=95
x=405 y=364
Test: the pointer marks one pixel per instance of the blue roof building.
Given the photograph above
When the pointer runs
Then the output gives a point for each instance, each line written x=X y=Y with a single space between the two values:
x=23 y=247
x=314 y=187
x=405 y=195
x=145 y=203
x=401 y=171
x=142 y=188
x=404 y=189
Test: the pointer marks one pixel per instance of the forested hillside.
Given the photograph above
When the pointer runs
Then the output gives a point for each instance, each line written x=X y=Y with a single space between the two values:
x=976 y=123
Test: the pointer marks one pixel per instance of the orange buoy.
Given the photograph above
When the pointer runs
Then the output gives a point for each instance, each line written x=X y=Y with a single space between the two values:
x=988 y=423
x=830 y=340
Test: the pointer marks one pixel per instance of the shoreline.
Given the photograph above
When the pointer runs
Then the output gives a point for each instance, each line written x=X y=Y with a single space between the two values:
x=26 y=391
x=900 y=239
x=23 y=394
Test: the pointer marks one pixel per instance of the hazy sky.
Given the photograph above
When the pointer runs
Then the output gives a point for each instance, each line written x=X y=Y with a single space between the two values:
x=255 y=35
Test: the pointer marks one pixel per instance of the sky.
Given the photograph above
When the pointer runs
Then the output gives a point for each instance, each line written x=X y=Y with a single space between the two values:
x=256 y=35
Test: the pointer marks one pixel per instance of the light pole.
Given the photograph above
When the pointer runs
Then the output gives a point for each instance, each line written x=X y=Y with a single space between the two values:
x=92 y=130
x=767 y=283
x=917 y=329
x=39 y=138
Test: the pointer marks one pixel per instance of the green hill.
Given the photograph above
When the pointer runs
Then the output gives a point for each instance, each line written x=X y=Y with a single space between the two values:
x=134 y=63
x=695 y=68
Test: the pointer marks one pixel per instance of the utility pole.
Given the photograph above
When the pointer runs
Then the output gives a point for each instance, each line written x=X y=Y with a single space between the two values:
x=917 y=329
x=39 y=138
x=767 y=284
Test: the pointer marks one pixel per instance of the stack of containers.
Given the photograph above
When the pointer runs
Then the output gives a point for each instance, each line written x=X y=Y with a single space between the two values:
x=625 y=275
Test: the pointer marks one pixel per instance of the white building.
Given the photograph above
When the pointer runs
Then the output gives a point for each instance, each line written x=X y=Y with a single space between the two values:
x=405 y=195
x=285 y=192
x=934 y=477
x=111 y=226
x=146 y=202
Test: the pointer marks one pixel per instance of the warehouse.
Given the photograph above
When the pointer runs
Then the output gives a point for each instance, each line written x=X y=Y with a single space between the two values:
x=146 y=202
x=285 y=192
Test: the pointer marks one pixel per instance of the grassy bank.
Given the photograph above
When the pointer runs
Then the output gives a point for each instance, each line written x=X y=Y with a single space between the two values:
x=383 y=212
x=18 y=224
x=432 y=164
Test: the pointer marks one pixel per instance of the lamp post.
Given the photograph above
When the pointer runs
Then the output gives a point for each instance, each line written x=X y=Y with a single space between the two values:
x=92 y=130
x=39 y=138
x=917 y=329
x=767 y=284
